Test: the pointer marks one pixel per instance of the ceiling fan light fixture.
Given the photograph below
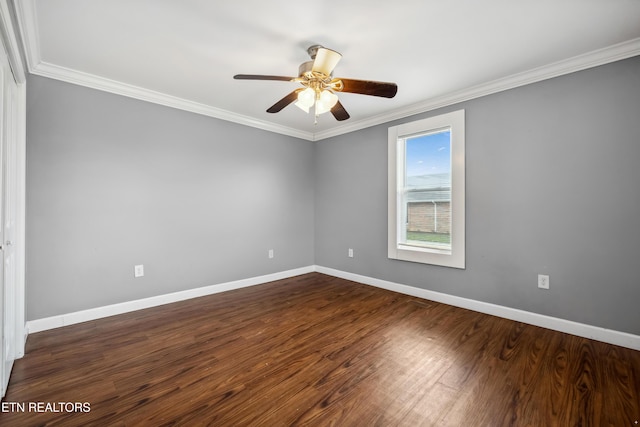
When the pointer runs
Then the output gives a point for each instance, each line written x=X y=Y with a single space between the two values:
x=306 y=99
x=326 y=101
x=302 y=107
x=325 y=61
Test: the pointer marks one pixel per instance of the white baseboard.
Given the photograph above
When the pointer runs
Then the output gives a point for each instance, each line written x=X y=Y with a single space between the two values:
x=597 y=333
x=126 y=307
x=574 y=328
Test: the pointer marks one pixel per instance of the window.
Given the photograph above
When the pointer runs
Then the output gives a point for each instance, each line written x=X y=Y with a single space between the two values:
x=426 y=191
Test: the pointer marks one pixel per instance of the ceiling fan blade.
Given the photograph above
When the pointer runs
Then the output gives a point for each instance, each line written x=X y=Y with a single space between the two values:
x=261 y=77
x=325 y=61
x=339 y=112
x=293 y=96
x=367 y=87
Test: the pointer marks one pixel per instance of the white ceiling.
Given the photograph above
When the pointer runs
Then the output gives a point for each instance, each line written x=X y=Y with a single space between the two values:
x=185 y=53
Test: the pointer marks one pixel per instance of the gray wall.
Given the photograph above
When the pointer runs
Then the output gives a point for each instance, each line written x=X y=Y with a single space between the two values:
x=113 y=182
x=553 y=187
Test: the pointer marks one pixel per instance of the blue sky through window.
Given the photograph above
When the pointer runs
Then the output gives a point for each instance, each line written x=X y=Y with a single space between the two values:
x=428 y=154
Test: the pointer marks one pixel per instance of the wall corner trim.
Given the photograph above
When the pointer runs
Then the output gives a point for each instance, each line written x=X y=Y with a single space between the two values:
x=597 y=333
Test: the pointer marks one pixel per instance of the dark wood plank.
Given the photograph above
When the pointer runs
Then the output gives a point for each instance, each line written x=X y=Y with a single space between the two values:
x=317 y=350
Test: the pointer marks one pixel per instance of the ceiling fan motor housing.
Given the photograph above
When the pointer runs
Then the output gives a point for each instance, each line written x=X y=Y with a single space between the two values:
x=304 y=68
x=313 y=50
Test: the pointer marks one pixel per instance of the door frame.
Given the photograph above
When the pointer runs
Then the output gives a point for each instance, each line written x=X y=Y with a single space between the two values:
x=9 y=41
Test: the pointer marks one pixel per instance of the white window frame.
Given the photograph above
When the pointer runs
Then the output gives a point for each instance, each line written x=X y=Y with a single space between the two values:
x=397 y=136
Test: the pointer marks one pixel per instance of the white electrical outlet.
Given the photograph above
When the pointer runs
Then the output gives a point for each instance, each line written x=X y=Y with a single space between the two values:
x=138 y=270
x=271 y=255
x=350 y=253
x=543 y=281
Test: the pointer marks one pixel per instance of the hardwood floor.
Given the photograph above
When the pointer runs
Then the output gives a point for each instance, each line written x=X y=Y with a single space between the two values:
x=317 y=350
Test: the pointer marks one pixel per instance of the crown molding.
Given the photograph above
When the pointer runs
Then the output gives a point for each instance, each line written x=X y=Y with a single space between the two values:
x=27 y=25
x=592 y=59
x=112 y=86
x=10 y=43
x=27 y=17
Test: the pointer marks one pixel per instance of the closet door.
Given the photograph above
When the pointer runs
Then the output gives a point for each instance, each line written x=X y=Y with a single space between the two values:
x=8 y=215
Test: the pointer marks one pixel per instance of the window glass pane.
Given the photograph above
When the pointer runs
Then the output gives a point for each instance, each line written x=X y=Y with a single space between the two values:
x=426 y=192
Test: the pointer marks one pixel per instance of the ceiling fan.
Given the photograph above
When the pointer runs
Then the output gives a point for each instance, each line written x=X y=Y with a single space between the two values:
x=319 y=87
